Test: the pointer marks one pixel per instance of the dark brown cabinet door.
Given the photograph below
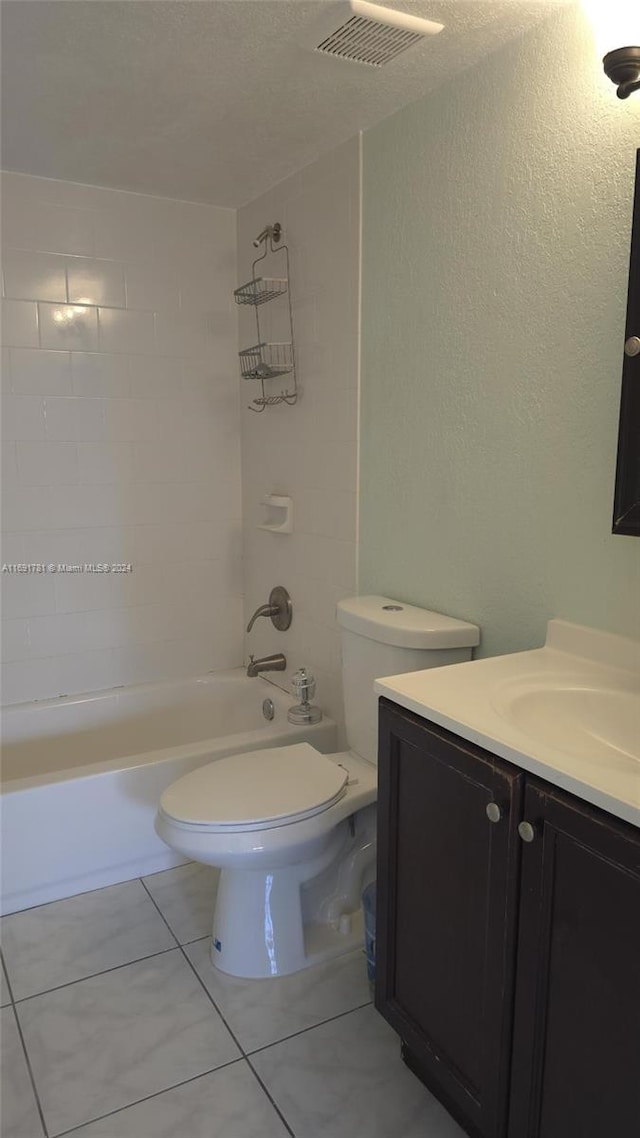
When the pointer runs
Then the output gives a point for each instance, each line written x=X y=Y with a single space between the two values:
x=447 y=907
x=576 y=1058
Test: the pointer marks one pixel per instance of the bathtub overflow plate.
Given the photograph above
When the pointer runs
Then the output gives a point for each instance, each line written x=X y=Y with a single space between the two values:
x=268 y=708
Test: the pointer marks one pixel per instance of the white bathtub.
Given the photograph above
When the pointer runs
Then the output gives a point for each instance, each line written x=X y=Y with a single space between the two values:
x=82 y=775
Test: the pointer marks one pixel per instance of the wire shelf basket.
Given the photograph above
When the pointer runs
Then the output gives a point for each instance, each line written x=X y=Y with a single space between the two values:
x=263 y=401
x=261 y=290
x=265 y=361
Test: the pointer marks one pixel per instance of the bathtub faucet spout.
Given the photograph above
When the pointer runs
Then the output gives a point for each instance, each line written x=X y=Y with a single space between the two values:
x=275 y=663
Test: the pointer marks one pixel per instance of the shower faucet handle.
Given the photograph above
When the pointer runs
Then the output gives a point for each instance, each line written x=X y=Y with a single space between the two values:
x=278 y=607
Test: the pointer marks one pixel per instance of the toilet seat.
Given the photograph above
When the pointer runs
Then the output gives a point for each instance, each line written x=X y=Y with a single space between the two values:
x=257 y=790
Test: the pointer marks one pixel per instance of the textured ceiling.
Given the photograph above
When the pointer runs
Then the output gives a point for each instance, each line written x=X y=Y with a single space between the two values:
x=210 y=101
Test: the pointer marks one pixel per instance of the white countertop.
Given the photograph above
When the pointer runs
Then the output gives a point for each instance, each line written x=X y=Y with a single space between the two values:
x=568 y=712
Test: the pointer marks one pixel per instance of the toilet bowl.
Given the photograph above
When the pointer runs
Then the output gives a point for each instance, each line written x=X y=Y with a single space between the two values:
x=293 y=830
x=293 y=827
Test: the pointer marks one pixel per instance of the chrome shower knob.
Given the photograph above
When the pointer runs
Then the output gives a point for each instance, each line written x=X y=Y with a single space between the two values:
x=303 y=685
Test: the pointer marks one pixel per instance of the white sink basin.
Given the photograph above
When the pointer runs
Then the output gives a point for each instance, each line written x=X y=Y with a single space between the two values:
x=568 y=712
x=597 y=725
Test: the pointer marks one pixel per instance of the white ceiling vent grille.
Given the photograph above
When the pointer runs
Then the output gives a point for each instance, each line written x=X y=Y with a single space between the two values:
x=375 y=35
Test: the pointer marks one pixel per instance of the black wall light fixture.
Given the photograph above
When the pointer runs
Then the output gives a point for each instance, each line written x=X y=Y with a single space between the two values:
x=623 y=68
x=615 y=23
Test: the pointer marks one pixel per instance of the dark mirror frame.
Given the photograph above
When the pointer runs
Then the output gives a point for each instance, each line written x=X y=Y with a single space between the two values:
x=626 y=503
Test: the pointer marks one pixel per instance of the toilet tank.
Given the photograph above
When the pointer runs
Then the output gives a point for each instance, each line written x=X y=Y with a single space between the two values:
x=383 y=637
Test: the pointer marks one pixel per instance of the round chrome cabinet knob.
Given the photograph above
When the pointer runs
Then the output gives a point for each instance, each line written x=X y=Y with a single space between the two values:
x=494 y=813
x=632 y=346
x=526 y=831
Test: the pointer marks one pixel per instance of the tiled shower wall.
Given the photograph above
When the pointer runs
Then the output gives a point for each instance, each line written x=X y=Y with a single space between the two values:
x=309 y=451
x=121 y=438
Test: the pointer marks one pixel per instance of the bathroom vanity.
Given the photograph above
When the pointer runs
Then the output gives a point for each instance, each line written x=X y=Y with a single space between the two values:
x=508 y=940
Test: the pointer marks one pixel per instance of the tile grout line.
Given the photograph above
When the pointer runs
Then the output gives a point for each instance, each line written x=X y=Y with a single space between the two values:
x=147 y=1098
x=92 y=975
x=247 y=1055
x=116 y=968
x=231 y=1032
x=23 y=1044
x=14 y=1003
x=269 y=1096
x=311 y=1027
x=45 y=1130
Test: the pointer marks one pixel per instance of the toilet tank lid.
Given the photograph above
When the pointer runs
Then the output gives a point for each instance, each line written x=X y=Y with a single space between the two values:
x=405 y=626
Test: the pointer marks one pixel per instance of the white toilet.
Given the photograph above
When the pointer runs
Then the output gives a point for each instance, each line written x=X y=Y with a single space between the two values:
x=293 y=830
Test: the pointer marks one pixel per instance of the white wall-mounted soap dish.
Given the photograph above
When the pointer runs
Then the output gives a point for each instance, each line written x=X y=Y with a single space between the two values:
x=279 y=513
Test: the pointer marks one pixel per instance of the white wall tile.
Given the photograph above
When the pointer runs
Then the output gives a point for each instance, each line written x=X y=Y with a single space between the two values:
x=31 y=222
x=47 y=463
x=68 y=327
x=34 y=276
x=175 y=541
x=26 y=507
x=23 y=417
x=156 y=377
x=85 y=505
x=87 y=671
x=53 y=546
x=151 y=288
x=8 y=455
x=308 y=451
x=95 y=373
x=16 y=644
x=82 y=592
x=105 y=462
x=185 y=333
x=169 y=463
x=25 y=680
x=126 y=232
x=62 y=633
x=60 y=229
x=19 y=324
x=92 y=281
x=74 y=419
x=122 y=438
x=13 y=548
x=36 y=372
x=124 y=331
x=26 y=594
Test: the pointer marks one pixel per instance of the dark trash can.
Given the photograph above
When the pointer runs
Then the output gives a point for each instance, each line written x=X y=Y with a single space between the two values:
x=369 y=906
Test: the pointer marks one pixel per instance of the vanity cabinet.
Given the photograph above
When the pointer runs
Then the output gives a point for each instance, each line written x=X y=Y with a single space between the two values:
x=508 y=956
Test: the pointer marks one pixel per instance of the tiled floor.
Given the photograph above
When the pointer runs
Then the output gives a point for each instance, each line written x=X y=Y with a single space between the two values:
x=117 y=1026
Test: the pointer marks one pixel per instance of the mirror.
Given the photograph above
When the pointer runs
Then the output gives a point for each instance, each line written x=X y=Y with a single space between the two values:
x=626 y=505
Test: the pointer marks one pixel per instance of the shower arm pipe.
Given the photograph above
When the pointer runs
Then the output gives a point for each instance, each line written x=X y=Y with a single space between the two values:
x=273 y=232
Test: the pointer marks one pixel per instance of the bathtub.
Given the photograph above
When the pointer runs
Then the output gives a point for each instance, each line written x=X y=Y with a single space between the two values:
x=82 y=775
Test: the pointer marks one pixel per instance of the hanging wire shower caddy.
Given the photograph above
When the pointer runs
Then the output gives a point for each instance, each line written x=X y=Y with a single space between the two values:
x=268 y=360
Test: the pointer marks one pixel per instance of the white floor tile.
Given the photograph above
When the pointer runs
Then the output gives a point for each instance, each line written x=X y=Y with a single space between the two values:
x=345 y=1079
x=81 y=936
x=113 y=1039
x=227 y=1104
x=186 y=897
x=20 y=1117
x=260 y=1012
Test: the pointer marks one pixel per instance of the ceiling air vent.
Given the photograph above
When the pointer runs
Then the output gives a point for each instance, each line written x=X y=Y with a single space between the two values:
x=375 y=35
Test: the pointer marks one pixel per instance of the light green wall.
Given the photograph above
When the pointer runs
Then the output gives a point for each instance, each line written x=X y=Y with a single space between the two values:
x=497 y=219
